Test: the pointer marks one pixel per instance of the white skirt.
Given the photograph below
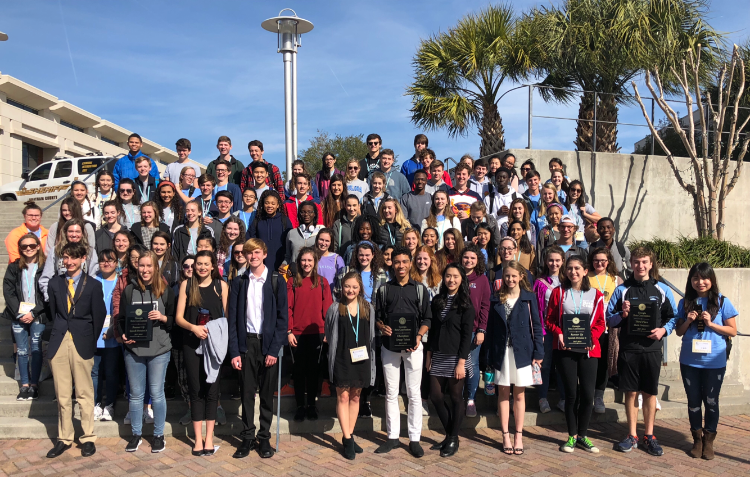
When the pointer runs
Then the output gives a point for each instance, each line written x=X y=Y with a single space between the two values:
x=509 y=374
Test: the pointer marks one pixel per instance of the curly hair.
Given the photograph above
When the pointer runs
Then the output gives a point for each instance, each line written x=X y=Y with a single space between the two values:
x=473 y=248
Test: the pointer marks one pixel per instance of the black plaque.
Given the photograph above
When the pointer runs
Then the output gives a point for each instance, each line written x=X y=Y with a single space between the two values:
x=642 y=317
x=576 y=330
x=137 y=325
x=403 y=331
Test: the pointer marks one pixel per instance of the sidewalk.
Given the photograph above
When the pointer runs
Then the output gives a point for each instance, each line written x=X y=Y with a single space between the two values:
x=318 y=454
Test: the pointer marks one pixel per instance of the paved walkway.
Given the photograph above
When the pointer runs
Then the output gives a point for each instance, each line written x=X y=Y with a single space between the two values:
x=318 y=454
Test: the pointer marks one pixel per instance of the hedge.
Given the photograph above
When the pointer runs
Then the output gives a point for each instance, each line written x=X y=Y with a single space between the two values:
x=686 y=252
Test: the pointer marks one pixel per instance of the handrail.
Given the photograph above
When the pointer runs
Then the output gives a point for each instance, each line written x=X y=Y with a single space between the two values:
x=94 y=172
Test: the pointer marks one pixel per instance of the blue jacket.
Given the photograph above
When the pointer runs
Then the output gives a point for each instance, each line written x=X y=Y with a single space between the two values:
x=125 y=168
x=527 y=338
x=273 y=233
x=275 y=315
x=409 y=167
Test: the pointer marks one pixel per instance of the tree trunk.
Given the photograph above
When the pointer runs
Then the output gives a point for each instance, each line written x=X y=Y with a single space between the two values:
x=606 y=131
x=585 y=124
x=491 y=131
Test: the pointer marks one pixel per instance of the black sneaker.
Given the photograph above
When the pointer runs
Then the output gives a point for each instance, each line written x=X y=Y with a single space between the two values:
x=33 y=393
x=651 y=445
x=365 y=410
x=158 y=444
x=133 y=444
x=299 y=416
x=23 y=394
x=312 y=413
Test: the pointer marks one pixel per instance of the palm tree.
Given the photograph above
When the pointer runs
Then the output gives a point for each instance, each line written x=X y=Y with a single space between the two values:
x=599 y=46
x=457 y=76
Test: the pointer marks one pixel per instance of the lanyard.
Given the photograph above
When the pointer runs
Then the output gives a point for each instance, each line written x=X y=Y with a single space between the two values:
x=376 y=201
x=390 y=236
x=355 y=330
x=191 y=243
x=602 y=288
x=145 y=192
x=517 y=258
x=577 y=306
x=205 y=207
x=30 y=274
x=129 y=216
x=168 y=215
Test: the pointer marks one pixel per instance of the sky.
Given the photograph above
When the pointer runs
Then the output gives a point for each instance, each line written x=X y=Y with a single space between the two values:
x=199 y=70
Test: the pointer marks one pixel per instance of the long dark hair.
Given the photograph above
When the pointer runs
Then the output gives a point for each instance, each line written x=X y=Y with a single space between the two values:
x=193 y=286
x=102 y=173
x=135 y=200
x=332 y=206
x=167 y=261
x=377 y=259
x=705 y=271
x=76 y=212
x=611 y=267
x=262 y=214
x=463 y=296
x=23 y=262
x=565 y=282
x=329 y=232
x=374 y=226
x=225 y=244
x=473 y=248
x=133 y=267
x=314 y=277
x=175 y=205
x=581 y=200
x=545 y=268
x=524 y=245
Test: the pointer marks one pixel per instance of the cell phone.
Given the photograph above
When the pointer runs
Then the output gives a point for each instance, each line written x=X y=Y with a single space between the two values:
x=699 y=321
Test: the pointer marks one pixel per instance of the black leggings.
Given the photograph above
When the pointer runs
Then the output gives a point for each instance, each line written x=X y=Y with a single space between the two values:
x=306 y=368
x=578 y=372
x=602 y=374
x=451 y=417
x=204 y=397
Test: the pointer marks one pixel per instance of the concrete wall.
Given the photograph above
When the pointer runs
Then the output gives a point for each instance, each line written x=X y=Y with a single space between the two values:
x=733 y=283
x=641 y=193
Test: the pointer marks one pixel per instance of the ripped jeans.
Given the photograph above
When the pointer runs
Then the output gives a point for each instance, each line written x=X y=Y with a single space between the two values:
x=702 y=385
x=22 y=332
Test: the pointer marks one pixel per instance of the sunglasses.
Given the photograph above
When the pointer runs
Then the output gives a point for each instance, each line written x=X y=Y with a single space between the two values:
x=27 y=246
x=237 y=252
x=186 y=266
x=373 y=143
x=575 y=190
x=126 y=191
x=353 y=168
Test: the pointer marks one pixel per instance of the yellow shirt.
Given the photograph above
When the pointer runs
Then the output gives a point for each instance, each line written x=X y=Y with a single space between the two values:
x=604 y=283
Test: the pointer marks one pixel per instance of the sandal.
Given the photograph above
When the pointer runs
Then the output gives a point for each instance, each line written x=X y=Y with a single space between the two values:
x=517 y=450
x=507 y=450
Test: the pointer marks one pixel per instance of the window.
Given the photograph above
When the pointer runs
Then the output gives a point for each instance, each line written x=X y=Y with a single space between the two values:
x=71 y=126
x=41 y=173
x=63 y=169
x=89 y=165
x=31 y=156
x=110 y=141
x=22 y=106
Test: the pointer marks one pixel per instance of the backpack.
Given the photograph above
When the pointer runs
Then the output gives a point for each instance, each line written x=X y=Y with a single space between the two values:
x=420 y=293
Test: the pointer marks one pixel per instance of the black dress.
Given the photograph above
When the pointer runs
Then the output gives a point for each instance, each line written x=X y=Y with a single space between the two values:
x=345 y=373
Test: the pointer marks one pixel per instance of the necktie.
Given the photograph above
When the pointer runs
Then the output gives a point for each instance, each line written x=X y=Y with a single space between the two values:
x=71 y=293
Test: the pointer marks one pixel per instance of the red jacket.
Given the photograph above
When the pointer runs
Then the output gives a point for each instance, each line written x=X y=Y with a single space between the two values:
x=291 y=210
x=308 y=307
x=554 y=320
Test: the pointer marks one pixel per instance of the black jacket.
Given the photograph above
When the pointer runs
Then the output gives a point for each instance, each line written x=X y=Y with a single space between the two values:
x=393 y=298
x=151 y=189
x=526 y=337
x=13 y=293
x=389 y=234
x=364 y=166
x=137 y=231
x=647 y=290
x=87 y=321
x=368 y=204
x=181 y=240
x=452 y=336
x=104 y=241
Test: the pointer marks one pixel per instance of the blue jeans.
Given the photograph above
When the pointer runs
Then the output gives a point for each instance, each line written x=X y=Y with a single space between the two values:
x=702 y=386
x=473 y=383
x=138 y=368
x=105 y=360
x=547 y=366
x=21 y=332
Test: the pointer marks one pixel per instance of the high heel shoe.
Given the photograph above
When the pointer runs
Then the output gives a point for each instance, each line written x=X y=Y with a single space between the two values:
x=517 y=450
x=506 y=450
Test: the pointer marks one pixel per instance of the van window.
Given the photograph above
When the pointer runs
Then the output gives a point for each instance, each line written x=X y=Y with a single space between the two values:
x=41 y=173
x=63 y=169
x=87 y=166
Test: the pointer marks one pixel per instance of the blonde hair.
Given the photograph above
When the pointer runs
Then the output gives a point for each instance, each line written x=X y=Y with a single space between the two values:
x=157 y=283
x=346 y=172
x=433 y=274
x=555 y=198
x=364 y=306
x=399 y=218
x=523 y=282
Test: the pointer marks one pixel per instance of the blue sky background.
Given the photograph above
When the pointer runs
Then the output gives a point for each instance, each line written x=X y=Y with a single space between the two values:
x=198 y=69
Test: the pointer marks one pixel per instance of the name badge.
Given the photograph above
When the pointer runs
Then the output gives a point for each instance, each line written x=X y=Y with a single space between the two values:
x=702 y=346
x=579 y=236
x=25 y=307
x=107 y=320
x=359 y=354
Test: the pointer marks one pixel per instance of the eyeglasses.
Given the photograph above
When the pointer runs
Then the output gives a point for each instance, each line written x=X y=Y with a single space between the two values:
x=104 y=260
x=34 y=216
x=373 y=143
x=600 y=261
x=187 y=266
x=237 y=252
x=221 y=170
x=525 y=169
x=126 y=191
x=27 y=246
x=575 y=190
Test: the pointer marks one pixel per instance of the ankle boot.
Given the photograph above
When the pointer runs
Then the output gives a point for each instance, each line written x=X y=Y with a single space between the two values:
x=697 y=450
x=450 y=447
x=708 y=444
x=348 y=451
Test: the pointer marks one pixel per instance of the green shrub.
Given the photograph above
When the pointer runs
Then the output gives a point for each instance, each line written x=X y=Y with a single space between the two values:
x=686 y=252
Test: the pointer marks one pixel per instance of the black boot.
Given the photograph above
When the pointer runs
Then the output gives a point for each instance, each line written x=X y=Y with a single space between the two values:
x=348 y=451
x=357 y=449
x=450 y=447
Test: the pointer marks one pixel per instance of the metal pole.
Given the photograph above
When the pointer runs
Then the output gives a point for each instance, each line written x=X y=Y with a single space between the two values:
x=294 y=113
x=594 y=135
x=653 y=120
x=278 y=400
x=531 y=111
x=288 y=111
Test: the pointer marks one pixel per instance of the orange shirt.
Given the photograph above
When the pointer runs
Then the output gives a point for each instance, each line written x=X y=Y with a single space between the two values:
x=11 y=241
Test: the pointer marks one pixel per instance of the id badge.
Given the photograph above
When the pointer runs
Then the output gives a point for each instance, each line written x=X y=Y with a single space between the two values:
x=25 y=307
x=359 y=354
x=107 y=320
x=580 y=237
x=702 y=346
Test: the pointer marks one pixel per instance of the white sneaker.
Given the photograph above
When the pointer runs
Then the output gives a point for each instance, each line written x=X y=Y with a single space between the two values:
x=186 y=419
x=544 y=406
x=98 y=412
x=658 y=405
x=148 y=416
x=221 y=416
x=599 y=407
x=126 y=421
x=425 y=408
x=108 y=413
x=561 y=405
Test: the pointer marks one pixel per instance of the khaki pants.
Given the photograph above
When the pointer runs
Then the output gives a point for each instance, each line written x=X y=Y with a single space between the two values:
x=69 y=368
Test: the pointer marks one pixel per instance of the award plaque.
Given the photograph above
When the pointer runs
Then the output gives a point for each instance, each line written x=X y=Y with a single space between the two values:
x=403 y=331
x=576 y=330
x=642 y=318
x=137 y=325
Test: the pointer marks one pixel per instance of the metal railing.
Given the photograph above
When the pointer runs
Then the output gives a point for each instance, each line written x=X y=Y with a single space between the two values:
x=92 y=173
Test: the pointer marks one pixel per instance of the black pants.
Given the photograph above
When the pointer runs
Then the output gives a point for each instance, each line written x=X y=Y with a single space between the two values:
x=578 y=372
x=602 y=372
x=254 y=375
x=451 y=417
x=306 y=369
x=204 y=397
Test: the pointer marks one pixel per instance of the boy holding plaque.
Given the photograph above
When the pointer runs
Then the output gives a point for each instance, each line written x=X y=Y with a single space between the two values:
x=644 y=310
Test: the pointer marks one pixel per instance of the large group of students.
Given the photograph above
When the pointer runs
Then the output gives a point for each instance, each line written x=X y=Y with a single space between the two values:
x=485 y=261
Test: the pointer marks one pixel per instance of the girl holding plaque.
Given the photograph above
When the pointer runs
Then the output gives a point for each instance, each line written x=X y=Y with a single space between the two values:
x=576 y=305
x=349 y=332
x=706 y=319
x=514 y=344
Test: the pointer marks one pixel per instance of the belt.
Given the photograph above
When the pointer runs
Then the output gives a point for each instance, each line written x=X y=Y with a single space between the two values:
x=257 y=336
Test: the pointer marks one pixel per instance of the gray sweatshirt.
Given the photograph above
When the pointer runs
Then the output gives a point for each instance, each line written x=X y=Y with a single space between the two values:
x=214 y=347
x=416 y=208
x=296 y=241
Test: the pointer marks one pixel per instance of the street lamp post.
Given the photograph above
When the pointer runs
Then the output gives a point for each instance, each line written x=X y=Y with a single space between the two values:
x=289 y=30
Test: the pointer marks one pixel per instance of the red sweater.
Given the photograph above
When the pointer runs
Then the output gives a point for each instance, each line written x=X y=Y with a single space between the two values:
x=308 y=307
x=554 y=320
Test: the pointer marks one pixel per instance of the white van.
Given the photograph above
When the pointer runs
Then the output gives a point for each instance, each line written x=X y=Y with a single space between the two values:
x=51 y=180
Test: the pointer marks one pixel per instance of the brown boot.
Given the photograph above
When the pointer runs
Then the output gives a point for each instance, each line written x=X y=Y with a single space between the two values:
x=708 y=445
x=697 y=451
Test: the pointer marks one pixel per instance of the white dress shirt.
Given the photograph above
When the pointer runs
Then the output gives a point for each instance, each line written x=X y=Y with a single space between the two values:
x=254 y=307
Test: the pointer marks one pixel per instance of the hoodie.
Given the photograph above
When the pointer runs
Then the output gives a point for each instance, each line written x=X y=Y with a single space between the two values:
x=272 y=231
x=479 y=288
x=343 y=230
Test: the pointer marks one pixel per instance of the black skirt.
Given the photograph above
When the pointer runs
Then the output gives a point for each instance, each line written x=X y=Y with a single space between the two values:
x=345 y=373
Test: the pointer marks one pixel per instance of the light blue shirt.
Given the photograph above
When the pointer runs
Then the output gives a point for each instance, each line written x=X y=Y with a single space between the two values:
x=717 y=358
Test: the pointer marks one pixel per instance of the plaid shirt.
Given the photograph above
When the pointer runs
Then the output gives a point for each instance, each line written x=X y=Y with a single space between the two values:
x=247 y=180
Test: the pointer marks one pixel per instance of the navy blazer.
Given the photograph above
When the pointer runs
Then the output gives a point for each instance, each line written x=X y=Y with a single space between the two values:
x=526 y=346
x=87 y=322
x=275 y=315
